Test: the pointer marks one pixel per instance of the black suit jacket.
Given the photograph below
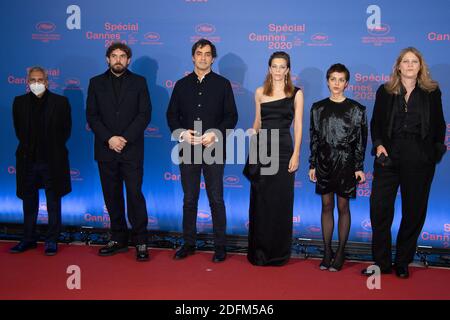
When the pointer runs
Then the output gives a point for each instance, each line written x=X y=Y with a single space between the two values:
x=128 y=116
x=58 y=125
x=432 y=123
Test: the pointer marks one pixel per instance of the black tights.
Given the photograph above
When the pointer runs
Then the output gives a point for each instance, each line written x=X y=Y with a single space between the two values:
x=328 y=222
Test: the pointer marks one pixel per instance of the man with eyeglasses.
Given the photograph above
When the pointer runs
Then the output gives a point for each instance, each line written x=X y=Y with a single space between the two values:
x=42 y=122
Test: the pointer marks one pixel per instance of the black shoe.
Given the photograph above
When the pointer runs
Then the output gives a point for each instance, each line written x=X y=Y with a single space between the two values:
x=368 y=273
x=338 y=262
x=326 y=261
x=402 y=272
x=112 y=248
x=23 y=246
x=219 y=255
x=184 y=251
x=51 y=248
x=142 y=252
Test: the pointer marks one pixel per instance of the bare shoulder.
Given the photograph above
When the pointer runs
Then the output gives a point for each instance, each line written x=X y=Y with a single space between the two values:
x=299 y=96
x=259 y=93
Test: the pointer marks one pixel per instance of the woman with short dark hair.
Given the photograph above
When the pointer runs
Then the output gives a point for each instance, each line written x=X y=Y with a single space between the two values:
x=338 y=133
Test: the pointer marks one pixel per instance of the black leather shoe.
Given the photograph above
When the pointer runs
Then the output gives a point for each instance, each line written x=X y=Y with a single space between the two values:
x=51 y=248
x=142 y=252
x=327 y=259
x=184 y=251
x=23 y=246
x=368 y=273
x=112 y=248
x=219 y=255
x=402 y=272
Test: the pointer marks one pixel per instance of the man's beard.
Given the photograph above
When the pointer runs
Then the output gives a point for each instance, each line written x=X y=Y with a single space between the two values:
x=118 y=68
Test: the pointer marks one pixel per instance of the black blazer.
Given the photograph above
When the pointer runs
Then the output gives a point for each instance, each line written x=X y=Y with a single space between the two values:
x=433 y=123
x=128 y=116
x=58 y=125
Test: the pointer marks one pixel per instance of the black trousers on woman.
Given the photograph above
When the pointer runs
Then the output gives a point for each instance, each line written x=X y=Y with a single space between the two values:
x=413 y=171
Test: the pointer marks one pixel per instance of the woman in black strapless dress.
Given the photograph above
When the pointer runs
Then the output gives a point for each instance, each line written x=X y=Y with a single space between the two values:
x=278 y=104
x=338 y=137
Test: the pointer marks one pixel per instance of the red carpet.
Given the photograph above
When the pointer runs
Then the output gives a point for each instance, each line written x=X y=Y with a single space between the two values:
x=31 y=275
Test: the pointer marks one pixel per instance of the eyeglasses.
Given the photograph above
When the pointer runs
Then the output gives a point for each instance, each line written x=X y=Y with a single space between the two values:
x=31 y=81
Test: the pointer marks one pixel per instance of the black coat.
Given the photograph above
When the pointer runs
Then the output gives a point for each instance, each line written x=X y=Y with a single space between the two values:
x=338 y=139
x=57 y=131
x=432 y=122
x=128 y=116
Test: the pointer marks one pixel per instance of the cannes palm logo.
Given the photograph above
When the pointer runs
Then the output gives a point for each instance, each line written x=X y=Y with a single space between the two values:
x=72 y=84
x=232 y=181
x=152 y=132
x=319 y=37
x=205 y=29
x=152 y=38
x=313 y=231
x=204 y=215
x=153 y=222
x=75 y=174
x=44 y=31
x=204 y=221
x=45 y=27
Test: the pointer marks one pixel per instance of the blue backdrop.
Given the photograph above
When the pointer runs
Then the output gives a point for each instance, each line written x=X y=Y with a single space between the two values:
x=70 y=38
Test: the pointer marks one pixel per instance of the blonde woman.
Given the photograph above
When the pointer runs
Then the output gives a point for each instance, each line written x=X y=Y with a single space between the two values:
x=408 y=131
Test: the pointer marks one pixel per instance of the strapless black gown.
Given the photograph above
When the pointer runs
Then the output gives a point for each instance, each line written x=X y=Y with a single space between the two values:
x=272 y=196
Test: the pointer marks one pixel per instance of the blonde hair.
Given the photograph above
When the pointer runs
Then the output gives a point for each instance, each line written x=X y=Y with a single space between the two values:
x=289 y=86
x=424 y=80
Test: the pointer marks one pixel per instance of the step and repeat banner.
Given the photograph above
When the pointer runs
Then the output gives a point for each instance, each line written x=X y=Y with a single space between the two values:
x=69 y=39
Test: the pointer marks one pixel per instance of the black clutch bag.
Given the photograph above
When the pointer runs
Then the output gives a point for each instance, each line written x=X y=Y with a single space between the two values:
x=384 y=161
x=252 y=171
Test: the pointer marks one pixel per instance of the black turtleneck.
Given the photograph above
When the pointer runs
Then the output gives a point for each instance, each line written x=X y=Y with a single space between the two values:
x=117 y=82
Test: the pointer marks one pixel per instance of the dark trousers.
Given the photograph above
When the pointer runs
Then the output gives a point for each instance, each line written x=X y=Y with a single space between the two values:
x=413 y=171
x=190 y=180
x=113 y=175
x=37 y=176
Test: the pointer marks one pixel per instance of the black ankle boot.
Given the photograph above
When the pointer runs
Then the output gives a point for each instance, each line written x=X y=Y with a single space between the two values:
x=326 y=261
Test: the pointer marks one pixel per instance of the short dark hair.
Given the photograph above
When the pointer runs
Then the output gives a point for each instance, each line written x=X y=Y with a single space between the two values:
x=121 y=46
x=338 y=67
x=204 y=42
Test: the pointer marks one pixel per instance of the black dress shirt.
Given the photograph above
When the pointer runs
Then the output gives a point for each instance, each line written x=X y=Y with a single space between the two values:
x=210 y=101
x=407 y=118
